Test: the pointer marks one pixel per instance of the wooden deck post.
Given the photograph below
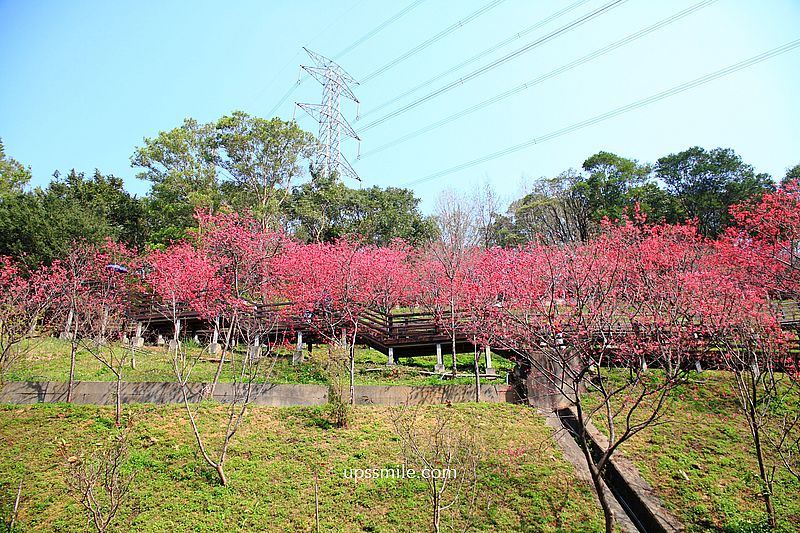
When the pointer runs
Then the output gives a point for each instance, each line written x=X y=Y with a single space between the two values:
x=439 y=367
x=297 y=358
x=391 y=362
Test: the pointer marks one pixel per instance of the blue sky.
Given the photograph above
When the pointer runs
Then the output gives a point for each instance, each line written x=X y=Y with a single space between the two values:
x=83 y=82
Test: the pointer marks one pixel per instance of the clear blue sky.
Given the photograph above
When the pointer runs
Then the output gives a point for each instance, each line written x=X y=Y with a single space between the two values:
x=83 y=82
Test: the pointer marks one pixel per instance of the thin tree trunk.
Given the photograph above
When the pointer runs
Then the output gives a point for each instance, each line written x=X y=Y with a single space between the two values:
x=222 y=357
x=119 y=400
x=766 y=489
x=436 y=513
x=316 y=500
x=596 y=473
x=477 y=372
x=71 y=386
x=16 y=508
x=767 y=485
x=72 y=356
x=453 y=336
x=353 y=366
x=222 y=478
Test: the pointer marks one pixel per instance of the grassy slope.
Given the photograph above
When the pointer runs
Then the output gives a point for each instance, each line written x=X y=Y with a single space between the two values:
x=705 y=437
x=526 y=485
x=48 y=360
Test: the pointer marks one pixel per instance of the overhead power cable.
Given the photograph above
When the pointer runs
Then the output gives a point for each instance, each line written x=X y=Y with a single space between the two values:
x=285 y=96
x=615 y=112
x=496 y=63
x=441 y=35
x=378 y=29
x=474 y=58
x=358 y=42
x=535 y=81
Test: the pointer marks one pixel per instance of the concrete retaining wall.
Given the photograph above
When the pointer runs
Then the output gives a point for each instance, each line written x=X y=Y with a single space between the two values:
x=102 y=393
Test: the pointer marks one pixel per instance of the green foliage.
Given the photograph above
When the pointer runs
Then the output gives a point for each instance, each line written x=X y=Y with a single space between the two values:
x=705 y=183
x=48 y=360
x=608 y=185
x=13 y=175
x=325 y=209
x=792 y=173
x=526 y=484
x=263 y=158
x=181 y=165
x=40 y=225
x=694 y=183
x=699 y=460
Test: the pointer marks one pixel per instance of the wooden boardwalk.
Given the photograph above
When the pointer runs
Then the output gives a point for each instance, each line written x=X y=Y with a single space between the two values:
x=400 y=334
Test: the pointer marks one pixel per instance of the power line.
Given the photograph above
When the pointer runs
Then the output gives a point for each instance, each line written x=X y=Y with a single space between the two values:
x=615 y=112
x=535 y=81
x=286 y=95
x=334 y=22
x=347 y=49
x=474 y=58
x=378 y=29
x=442 y=34
x=496 y=63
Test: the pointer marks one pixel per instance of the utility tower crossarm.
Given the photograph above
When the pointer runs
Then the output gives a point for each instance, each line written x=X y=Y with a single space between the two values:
x=335 y=84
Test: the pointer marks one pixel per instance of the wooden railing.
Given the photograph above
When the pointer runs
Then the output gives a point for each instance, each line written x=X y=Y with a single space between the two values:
x=421 y=327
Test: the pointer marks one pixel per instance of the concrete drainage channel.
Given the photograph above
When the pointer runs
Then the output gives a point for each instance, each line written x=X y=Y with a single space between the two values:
x=635 y=503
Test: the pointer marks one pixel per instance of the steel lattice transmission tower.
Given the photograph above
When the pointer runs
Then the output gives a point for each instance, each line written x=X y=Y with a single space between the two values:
x=332 y=124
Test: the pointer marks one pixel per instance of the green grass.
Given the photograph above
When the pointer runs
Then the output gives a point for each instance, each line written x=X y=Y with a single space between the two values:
x=525 y=483
x=48 y=360
x=704 y=437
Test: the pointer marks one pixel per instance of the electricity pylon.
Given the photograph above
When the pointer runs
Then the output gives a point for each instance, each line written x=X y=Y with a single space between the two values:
x=332 y=124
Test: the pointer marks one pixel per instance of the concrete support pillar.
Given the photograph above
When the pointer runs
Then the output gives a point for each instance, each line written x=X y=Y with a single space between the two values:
x=138 y=339
x=698 y=367
x=214 y=348
x=490 y=371
x=176 y=335
x=297 y=358
x=391 y=362
x=439 y=367
x=254 y=351
x=160 y=340
x=174 y=345
x=67 y=333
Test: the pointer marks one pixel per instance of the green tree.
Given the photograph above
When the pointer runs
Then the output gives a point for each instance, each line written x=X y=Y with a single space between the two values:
x=382 y=215
x=181 y=164
x=325 y=209
x=263 y=158
x=609 y=183
x=316 y=209
x=40 y=225
x=658 y=204
x=556 y=211
x=705 y=183
x=13 y=175
x=792 y=173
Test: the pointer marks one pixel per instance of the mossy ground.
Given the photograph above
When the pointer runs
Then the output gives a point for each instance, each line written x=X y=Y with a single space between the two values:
x=699 y=459
x=525 y=485
x=48 y=360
